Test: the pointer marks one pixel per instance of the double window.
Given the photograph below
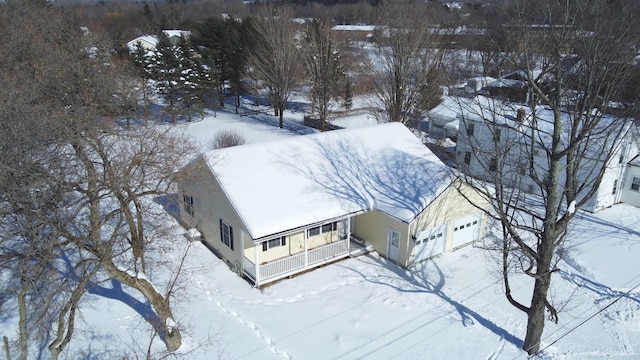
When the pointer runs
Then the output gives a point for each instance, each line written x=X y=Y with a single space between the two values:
x=226 y=234
x=635 y=184
x=470 y=129
x=493 y=164
x=322 y=229
x=270 y=244
x=187 y=204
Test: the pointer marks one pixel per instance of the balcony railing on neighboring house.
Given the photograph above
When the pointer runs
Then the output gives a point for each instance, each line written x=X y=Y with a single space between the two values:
x=278 y=269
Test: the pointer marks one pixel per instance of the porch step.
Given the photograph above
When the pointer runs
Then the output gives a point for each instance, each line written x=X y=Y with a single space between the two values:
x=357 y=249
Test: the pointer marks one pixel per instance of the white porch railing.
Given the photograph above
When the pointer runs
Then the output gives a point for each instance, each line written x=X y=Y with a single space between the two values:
x=280 y=268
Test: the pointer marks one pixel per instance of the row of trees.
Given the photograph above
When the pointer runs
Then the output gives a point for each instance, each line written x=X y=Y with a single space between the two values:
x=271 y=55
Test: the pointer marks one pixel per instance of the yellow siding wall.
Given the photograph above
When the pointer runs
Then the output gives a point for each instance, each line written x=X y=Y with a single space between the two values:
x=210 y=204
x=294 y=245
x=452 y=204
x=373 y=227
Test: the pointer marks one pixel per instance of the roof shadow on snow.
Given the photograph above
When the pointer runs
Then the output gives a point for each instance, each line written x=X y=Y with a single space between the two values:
x=429 y=280
x=613 y=230
x=389 y=180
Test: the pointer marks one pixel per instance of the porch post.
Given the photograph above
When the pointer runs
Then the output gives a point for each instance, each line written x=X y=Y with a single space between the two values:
x=256 y=263
x=241 y=253
x=306 y=253
x=348 y=221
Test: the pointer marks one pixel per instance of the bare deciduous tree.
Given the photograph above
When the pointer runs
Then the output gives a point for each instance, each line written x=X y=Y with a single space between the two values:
x=325 y=70
x=75 y=189
x=539 y=161
x=407 y=62
x=274 y=55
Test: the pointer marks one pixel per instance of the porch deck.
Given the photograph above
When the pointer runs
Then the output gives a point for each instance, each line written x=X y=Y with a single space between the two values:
x=281 y=268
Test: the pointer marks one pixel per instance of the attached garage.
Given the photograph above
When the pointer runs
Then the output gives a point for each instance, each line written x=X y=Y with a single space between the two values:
x=466 y=230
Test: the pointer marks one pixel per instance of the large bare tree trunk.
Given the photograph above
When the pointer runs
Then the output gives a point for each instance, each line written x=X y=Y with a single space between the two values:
x=167 y=327
x=551 y=158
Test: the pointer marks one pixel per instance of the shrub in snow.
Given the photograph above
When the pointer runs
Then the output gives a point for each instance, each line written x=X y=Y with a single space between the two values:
x=226 y=138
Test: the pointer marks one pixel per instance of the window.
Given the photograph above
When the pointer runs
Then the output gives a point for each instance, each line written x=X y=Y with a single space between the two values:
x=635 y=185
x=270 y=244
x=493 y=164
x=467 y=157
x=322 y=229
x=470 y=128
x=615 y=187
x=621 y=160
x=522 y=169
x=329 y=227
x=497 y=134
x=226 y=234
x=187 y=204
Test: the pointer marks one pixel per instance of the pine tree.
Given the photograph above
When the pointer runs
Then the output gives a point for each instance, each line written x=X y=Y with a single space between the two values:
x=166 y=68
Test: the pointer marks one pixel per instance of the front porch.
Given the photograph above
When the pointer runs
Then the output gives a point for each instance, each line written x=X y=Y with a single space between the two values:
x=261 y=274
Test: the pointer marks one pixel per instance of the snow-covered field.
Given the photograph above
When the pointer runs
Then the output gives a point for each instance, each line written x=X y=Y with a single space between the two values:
x=451 y=307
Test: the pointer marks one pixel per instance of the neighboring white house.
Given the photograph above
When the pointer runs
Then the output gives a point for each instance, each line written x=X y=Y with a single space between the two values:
x=149 y=42
x=443 y=120
x=274 y=209
x=497 y=135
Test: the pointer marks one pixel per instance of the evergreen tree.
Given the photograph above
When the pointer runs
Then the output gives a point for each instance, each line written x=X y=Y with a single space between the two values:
x=324 y=68
x=166 y=68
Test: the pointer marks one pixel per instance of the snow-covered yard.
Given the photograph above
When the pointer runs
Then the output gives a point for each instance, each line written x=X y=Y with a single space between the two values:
x=451 y=307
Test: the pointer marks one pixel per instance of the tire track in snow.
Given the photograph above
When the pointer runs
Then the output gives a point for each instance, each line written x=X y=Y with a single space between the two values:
x=494 y=355
x=247 y=323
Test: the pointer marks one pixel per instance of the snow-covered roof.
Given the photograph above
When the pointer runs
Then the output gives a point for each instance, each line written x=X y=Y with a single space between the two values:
x=541 y=118
x=149 y=39
x=354 y=28
x=177 y=33
x=288 y=184
x=449 y=109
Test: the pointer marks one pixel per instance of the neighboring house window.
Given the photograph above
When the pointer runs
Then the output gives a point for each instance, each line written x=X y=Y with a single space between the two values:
x=621 y=159
x=187 y=203
x=470 y=128
x=522 y=169
x=226 y=234
x=269 y=244
x=322 y=229
x=635 y=185
x=467 y=157
x=497 y=134
x=615 y=187
x=493 y=164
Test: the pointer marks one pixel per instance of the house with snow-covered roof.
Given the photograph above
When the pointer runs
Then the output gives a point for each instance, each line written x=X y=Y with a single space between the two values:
x=274 y=209
x=149 y=42
x=509 y=139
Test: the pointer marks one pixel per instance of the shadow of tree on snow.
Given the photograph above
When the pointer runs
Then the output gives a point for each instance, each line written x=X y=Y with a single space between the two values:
x=429 y=281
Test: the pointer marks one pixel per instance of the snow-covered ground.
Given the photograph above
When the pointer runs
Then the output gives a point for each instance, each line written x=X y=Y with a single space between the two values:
x=450 y=307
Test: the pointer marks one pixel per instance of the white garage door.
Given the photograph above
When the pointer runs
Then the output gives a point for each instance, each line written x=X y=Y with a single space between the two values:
x=430 y=243
x=466 y=230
